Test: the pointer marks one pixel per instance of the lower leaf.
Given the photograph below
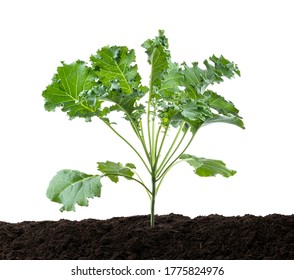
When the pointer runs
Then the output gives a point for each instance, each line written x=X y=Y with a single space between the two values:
x=113 y=170
x=70 y=187
x=207 y=167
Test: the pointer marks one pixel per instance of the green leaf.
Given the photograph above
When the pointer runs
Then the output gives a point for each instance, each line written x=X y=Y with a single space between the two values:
x=195 y=110
x=224 y=67
x=117 y=64
x=172 y=80
x=158 y=57
x=67 y=89
x=194 y=125
x=223 y=119
x=116 y=71
x=182 y=96
x=218 y=103
x=70 y=187
x=127 y=104
x=207 y=167
x=197 y=80
x=113 y=170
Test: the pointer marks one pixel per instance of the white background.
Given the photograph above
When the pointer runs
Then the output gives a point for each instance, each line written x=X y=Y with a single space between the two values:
x=35 y=144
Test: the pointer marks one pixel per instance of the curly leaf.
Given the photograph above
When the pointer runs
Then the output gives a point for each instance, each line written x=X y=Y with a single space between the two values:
x=207 y=167
x=182 y=96
x=218 y=103
x=116 y=64
x=172 y=80
x=68 y=86
x=195 y=110
x=197 y=79
x=113 y=170
x=224 y=67
x=158 y=57
x=116 y=71
x=70 y=187
x=127 y=103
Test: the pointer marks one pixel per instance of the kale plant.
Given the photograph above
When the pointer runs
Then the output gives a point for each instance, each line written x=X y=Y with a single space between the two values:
x=177 y=97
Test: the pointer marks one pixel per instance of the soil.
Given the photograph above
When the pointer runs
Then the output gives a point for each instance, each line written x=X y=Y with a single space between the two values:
x=174 y=237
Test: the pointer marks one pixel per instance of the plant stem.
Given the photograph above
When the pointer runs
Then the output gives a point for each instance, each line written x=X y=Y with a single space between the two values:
x=130 y=178
x=153 y=195
x=161 y=145
x=153 y=146
x=156 y=143
x=148 y=125
x=175 y=150
x=164 y=161
x=162 y=177
x=126 y=141
x=142 y=139
x=163 y=173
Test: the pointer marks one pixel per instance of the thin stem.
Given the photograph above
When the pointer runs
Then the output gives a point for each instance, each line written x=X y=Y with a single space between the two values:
x=147 y=190
x=140 y=137
x=144 y=142
x=175 y=150
x=168 y=169
x=172 y=163
x=132 y=147
x=161 y=144
x=149 y=107
x=134 y=126
x=152 y=215
x=148 y=125
x=169 y=151
x=156 y=144
x=153 y=149
x=138 y=176
x=128 y=177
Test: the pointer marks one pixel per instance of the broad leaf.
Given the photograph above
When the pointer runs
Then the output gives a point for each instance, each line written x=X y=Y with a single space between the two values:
x=67 y=89
x=113 y=170
x=207 y=167
x=117 y=64
x=116 y=71
x=70 y=187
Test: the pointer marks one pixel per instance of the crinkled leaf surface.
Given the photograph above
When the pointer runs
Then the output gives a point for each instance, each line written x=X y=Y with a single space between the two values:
x=179 y=92
x=127 y=104
x=113 y=170
x=171 y=82
x=67 y=89
x=218 y=103
x=207 y=167
x=158 y=58
x=70 y=187
x=116 y=70
x=112 y=83
x=197 y=79
x=117 y=64
x=195 y=110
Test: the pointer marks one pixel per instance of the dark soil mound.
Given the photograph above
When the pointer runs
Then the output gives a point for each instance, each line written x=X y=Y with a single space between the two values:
x=173 y=237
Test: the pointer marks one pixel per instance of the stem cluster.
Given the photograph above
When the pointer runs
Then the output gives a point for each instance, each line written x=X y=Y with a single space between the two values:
x=153 y=145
